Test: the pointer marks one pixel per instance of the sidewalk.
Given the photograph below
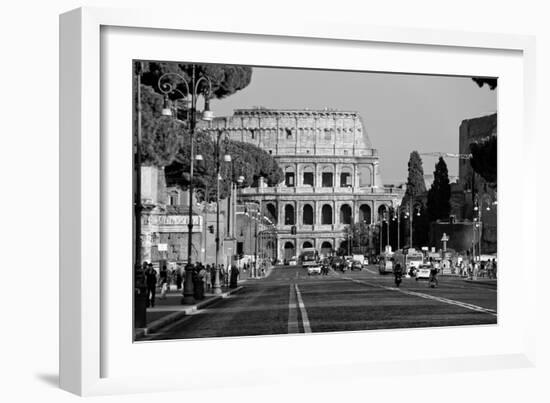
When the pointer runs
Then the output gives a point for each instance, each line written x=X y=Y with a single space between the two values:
x=170 y=309
x=481 y=280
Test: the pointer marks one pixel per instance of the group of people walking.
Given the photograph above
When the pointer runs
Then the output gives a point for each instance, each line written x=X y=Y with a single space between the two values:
x=203 y=278
x=471 y=269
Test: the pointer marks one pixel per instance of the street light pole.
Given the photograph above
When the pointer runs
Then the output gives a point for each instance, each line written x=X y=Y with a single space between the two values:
x=167 y=87
x=388 y=228
x=217 y=286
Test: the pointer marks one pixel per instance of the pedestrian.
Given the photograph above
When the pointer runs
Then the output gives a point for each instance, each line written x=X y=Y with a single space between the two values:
x=208 y=278
x=179 y=277
x=494 y=268
x=202 y=279
x=222 y=274
x=489 y=269
x=234 y=277
x=213 y=275
x=163 y=278
x=151 y=280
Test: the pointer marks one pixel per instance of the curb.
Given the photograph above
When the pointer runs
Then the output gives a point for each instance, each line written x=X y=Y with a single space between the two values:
x=484 y=282
x=173 y=317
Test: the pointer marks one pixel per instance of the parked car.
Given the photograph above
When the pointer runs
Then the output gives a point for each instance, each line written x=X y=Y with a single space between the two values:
x=293 y=261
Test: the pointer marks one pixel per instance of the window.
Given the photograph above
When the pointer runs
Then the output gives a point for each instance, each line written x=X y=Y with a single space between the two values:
x=327 y=179
x=289 y=179
x=308 y=178
x=289 y=214
x=173 y=199
x=326 y=215
x=288 y=133
x=345 y=179
x=307 y=215
x=345 y=214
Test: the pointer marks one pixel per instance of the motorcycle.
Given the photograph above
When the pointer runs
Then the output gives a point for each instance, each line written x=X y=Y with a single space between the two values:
x=398 y=279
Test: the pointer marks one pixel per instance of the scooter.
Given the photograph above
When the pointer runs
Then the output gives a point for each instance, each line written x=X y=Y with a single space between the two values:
x=398 y=279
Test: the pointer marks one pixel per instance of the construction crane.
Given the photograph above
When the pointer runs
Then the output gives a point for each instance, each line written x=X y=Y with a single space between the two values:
x=450 y=155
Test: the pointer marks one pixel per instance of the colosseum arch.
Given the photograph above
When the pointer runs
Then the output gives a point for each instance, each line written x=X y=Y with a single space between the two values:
x=383 y=211
x=327 y=176
x=365 y=215
x=307 y=215
x=345 y=214
x=290 y=215
x=290 y=176
x=326 y=214
x=365 y=175
x=346 y=176
x=308 y=175
x=271 y=212
x=326 y=248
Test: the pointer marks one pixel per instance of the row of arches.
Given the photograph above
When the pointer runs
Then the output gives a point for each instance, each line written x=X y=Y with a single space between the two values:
x=290 y=248
x=327 y=216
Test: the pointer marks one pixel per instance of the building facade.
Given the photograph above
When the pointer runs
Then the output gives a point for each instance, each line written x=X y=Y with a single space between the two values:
x=476 y=187
x=164 y=225
x=331 y=175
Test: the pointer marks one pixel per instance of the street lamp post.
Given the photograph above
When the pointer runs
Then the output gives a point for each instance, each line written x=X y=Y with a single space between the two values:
x=217 y=286
x=167 y=87
x=388 y=227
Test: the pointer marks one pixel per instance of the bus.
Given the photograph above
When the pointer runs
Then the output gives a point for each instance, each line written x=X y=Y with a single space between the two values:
x=309 y=257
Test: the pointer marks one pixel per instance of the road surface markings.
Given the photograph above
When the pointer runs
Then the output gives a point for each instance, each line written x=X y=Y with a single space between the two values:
x=428 y=296
x=292 y=312
x=296 y=302
x=305 y=319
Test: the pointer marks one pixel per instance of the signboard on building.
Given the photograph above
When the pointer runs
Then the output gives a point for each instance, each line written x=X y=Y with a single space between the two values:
x=170 y=222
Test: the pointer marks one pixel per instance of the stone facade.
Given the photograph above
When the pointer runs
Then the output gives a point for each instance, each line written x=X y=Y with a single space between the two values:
x=475 y=130
x=331 y=174
x=164 y=225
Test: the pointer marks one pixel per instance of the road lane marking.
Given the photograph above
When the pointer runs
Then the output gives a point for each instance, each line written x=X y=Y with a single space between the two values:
x=292 y=312
x=428 y=296
x=305 y=319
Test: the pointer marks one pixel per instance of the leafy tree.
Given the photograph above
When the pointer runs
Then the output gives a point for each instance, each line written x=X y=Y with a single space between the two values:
x=484 y=158
x=248 y=160
x=160 y=134
x=358 y=233
x=481 y=81
x=225 y=79
x=439 y=195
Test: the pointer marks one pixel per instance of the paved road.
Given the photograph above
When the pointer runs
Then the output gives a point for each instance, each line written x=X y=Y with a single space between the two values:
x=290 y=301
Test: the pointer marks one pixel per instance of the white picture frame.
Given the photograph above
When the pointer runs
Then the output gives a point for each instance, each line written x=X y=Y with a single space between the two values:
x=88 y=318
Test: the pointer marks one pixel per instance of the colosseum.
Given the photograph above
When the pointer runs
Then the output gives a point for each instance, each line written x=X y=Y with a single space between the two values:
x=331 y=174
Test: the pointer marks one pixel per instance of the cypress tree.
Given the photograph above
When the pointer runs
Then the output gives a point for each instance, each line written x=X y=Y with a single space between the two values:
x=415 y=180
x=439 y=195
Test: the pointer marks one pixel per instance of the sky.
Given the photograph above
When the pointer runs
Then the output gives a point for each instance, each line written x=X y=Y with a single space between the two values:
x=401 y=112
